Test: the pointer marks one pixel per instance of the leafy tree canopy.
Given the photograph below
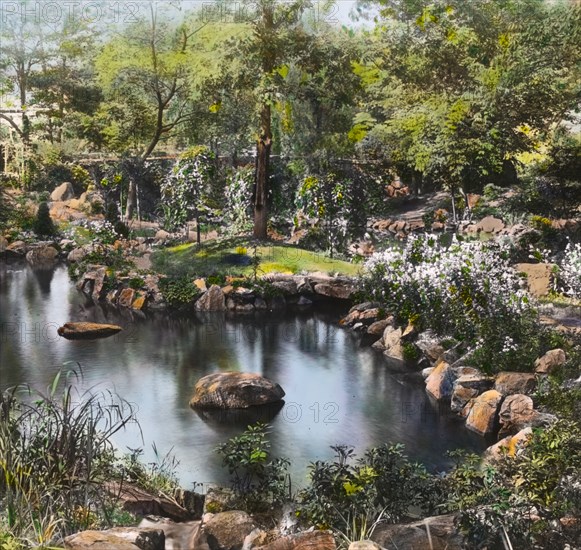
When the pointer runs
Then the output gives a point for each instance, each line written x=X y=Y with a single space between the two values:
x=456 y=89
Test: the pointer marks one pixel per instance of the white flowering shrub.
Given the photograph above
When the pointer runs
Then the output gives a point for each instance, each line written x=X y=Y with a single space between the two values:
x=102 y=231
x=467 y=290
x=327 y=198
x=570 y=270
x=184 y=192
x=238 y=195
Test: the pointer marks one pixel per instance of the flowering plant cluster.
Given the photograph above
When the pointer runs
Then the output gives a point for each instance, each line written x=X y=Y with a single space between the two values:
x=329 y=199
x=185 y=189
x=102 y=231
x=238 y=209
x=570 y=270
x=464 y=289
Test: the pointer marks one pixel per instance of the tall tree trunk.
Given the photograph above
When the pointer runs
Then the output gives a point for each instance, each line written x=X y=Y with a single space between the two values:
x=135 y=170
x=262 y=169
x=23 y=86
x=131 y=199
x=264 y=144
x=416 y=183
x=26 y=131
x=132 y=191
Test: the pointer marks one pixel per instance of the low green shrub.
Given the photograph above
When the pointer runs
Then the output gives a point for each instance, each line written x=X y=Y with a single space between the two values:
x=546 y=195
x=521 y=496
x=114 y=259
x=8 y=541
x=178 y=291
x=343 y=491
x=19 y=217
x=560 y=394
x=218 y=279
x=266 y=289
x=136 y=283
x=258 y=480
x=410 y=351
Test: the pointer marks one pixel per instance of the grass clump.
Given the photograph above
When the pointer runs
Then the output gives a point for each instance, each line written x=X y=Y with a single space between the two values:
x=56 y=454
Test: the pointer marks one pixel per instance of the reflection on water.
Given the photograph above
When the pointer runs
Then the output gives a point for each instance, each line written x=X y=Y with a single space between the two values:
x=241 y=417
x=336 y=392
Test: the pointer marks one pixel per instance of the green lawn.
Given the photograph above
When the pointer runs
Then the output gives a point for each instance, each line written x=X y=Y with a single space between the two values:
x=233 y=256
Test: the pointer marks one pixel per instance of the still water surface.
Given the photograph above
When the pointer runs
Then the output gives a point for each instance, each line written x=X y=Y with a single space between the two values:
x=336 y=392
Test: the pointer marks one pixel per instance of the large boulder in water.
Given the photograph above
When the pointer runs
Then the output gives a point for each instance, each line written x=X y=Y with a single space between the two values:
x=234 y=390
x=80 y=331
x=42 y=256
x=440 y=382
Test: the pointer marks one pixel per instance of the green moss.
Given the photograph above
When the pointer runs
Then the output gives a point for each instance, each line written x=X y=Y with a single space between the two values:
x=214 y=508
x=135 y=283
x=410 y=351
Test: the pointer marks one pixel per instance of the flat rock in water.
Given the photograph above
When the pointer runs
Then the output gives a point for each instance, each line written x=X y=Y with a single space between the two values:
x=117 y=538
x=307 y=540
x=142 y=503
x=79 y=331
x=433 y=533
x=234 y=390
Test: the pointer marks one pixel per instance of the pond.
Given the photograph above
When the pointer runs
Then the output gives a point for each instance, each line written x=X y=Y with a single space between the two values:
x=336 y=391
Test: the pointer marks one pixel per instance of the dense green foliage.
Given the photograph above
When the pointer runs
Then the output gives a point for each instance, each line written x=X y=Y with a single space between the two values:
x=383 y=483
x=258 y=480
x=328 y=198
x=515 y=498
x=186 y=192
x=456 y=90
x=450 y=94
x=113 y=259
x=238 y=194
x=56 y=456
x=179 y=291
x=521 y=495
